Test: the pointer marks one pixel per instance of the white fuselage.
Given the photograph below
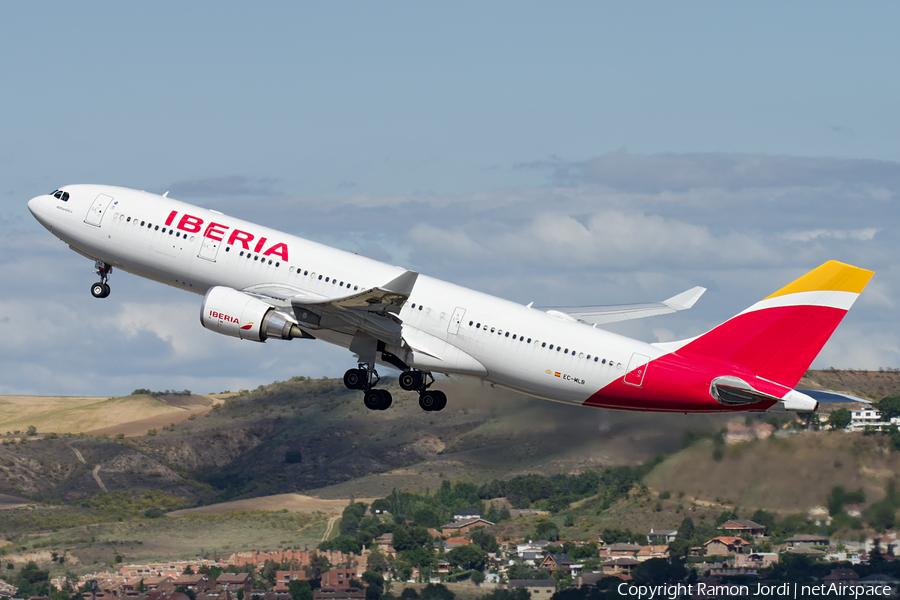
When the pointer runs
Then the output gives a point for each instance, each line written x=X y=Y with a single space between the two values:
x=499 y=341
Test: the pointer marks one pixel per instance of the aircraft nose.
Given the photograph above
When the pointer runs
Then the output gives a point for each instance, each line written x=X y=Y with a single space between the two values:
x=34 y=205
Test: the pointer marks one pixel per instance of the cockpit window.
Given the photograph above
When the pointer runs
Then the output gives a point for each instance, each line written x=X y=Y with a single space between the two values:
x=61 y=195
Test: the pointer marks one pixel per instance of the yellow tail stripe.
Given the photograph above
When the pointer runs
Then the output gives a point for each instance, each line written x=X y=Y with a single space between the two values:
x=831 y=276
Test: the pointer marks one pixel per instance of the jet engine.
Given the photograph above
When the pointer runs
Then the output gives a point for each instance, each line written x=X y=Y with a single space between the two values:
x=230 y=312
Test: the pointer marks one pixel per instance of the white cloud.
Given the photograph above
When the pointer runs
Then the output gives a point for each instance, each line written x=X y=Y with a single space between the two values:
x=837 y=234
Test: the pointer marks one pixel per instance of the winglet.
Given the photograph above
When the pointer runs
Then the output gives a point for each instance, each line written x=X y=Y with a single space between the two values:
x=402 y=285
x=685 y=300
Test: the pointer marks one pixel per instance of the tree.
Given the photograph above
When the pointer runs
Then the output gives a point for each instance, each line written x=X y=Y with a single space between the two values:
x=889 y=407
x=686 y=531
x=484 y=540
x=657 y=571
x=478 y=577
x=840 y=418
x=374 y=585
x=269 y=573
x=547 y=530
x=436 y=591
x=377 y=562
x=318 y=564
x=32 y=580
x=300 y=589
x=469 y=556
x=32 y=430
x=409 y=594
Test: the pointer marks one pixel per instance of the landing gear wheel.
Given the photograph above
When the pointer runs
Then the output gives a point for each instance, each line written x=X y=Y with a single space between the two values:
x=106 y=290
x=410 y=380
x=442 y=400
x=355 y=379
x=377 y=399
x=100 y=290
x=432 y=400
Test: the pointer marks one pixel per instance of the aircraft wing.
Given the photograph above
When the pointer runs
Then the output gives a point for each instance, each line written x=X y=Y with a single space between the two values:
x=598 y=315
x=373 y=311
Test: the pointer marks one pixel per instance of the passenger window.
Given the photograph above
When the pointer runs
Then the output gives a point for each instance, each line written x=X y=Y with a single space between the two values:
x=551 y=346
x=529 y=340
x=320 y=278
x=492 y=330
x=603 y=362
x=544 y=345
x=420 y=307
x=478 y=326
x=242 y=252
x=507 y=334
x=470 y=323
x=558 y=348
x=156 y=228
x=596 y=358
x=326 y=280
x=227 y=248
x=128 y=220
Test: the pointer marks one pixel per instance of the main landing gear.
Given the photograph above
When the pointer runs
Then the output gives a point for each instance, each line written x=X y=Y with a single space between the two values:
x=101 y=288
x=365 y=378
x=414 y=381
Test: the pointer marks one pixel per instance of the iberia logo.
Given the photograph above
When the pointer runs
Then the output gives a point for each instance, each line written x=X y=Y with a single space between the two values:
x=247 y=326
x=554 y=373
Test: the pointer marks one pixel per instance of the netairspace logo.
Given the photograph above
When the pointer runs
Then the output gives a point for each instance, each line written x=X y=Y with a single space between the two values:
x=796 y=591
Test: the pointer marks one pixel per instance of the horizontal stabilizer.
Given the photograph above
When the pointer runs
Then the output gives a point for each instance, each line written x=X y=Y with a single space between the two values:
x=827 y=396
x=599 y=315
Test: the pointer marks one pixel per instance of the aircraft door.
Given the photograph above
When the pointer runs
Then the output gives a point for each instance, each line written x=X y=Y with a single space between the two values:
x=209 y=248
x=637 y=367
x=456 y=321
x=98 y=209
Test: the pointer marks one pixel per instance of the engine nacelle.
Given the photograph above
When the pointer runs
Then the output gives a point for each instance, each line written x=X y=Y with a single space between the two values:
x=230 y=312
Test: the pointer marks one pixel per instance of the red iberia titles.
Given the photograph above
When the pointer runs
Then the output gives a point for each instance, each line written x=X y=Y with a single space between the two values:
x=213 y=314
x=234 y=237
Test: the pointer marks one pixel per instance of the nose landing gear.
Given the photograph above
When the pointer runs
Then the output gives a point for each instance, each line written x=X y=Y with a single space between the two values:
x=101 y=288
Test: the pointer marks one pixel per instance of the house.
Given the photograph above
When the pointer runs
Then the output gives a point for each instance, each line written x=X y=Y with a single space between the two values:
x=540 y=589
x=722 y=545
x=756 y=560
x=806 y=551
x=537 y=546
x=283 y=579
x=842 y=577
x=443 y=567
x=556 y=561
x=464 y=527
x=7 y=589
x=807 y=541
x=232 y=582
x=339 y=594
x=869 y=418
x=621 y=550
x=197 y=582
x=454 y=542
x=742 y=526
x=619 y=565
x=648 y=552
x=662 y=535
x=338 y=578
x=464 y=515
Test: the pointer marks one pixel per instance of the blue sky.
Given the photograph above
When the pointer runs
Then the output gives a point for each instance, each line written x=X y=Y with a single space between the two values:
x=567 y=154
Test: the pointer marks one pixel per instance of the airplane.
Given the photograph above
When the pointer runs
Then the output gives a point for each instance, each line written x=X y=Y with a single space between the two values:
x=261 y=284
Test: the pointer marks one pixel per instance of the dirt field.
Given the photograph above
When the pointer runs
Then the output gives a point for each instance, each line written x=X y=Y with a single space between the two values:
x=141 y=426
x=291 y=502
x=82 y=414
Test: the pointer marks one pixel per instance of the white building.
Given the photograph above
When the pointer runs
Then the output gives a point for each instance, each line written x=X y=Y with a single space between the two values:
x=869 y=417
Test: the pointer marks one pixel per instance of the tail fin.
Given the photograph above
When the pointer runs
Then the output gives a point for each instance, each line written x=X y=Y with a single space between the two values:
x=778 y=337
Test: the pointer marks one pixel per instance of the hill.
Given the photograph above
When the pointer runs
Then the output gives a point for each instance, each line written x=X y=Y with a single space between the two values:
x=313 y=435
